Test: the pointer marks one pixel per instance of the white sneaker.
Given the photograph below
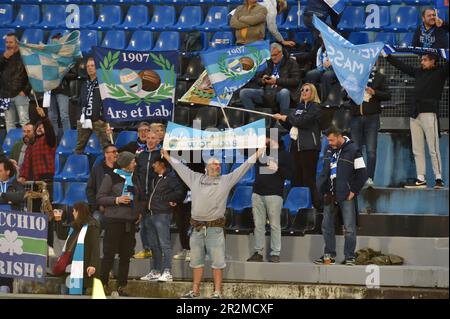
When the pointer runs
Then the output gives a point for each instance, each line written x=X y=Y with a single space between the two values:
x=181 y=255
x=151 y=276
x=188 y=255
x=369 y=182
x=51 y=252
x=166 y=276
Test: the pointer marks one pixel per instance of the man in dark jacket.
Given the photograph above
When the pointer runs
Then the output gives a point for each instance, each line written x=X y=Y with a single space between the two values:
x=11 y=191
x=14 y=86
x=145 y=174
x=95 y=180
x=59 y=99
x=432 y=32
x=280 y=83
x=267 y=198
x=166 y=191
x=91 y=110
x=366 y=119
x=428 y=86
x=19 y=148
x=342 y=178
x=122 y=199
x=138 y=146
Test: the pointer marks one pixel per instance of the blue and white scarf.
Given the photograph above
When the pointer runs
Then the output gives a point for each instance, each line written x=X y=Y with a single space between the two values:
x=86 y=116
x=427 y=36
x=128 y=176
x=333 y=164
x=77 y=266
x=5 y=103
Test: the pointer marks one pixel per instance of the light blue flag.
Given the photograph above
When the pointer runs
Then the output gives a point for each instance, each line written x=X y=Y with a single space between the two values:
x=352 y=64
x=47 y=65
x=337 y=5
x=230 y=69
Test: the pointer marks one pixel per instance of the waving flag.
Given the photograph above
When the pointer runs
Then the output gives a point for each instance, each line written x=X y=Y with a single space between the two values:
x=337 y=5
x=47 y=65
x=230 y=69
x=136 y=86
x=352 y=64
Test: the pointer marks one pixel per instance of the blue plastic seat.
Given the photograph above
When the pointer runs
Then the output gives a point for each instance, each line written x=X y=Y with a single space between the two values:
x=298 y=198
x=406 y=39
x=167 y=41
x=58 y=194
x=114 y=39
x=190 y=18
x=110 y=17
x=76 y=169
x=386 y=37
x=405 y=19
x=353 y=19
x=68 y=143
x=7 y=15
x=126 y=137
x=141 y=41
x=54 y=17
x=291 y=22
x=284 y=34
x=3 y=33
x=75 y=192
x=249 y=177
x=14 y=135
x=28 y=15
x=359 y=38
x=303 y=37
x=216 y=19
x=360 y=2
x=88 y=39
x=418 y=2
x=93 y=146
x=221 y=40
x=385 y=19
x=163 y=17
x=241 y=199
x=98 y=160
x=87 y=16
x=55 y=32
x=35 y=36
x=137 y=17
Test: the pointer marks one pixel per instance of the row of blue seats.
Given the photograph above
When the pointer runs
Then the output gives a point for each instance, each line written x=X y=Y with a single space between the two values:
x=191 y=18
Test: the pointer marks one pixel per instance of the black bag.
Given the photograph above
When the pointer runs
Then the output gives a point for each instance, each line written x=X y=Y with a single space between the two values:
x=192 y=42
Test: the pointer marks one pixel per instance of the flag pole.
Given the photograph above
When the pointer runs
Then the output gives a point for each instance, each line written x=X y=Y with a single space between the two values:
x=35 y=98
x=223 y=112
x=298 y=13
x=245 y=110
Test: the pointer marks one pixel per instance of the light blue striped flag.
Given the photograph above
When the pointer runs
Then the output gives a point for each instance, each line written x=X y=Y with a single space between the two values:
x=47 y=65
x=337 y=5
x=230 y=69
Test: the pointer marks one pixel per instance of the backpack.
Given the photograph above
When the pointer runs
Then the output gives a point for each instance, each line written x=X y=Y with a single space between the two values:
x=192 y=42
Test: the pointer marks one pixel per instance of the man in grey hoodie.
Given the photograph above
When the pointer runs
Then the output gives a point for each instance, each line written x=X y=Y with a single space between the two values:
x=209 y=193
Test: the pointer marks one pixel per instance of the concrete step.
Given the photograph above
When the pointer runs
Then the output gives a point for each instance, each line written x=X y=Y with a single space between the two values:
x=241 y=290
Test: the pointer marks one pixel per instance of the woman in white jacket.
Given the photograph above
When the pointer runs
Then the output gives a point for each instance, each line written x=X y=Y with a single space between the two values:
x=273 y=8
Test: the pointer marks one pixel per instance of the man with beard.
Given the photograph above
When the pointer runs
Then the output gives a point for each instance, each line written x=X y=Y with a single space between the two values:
x=19 y=148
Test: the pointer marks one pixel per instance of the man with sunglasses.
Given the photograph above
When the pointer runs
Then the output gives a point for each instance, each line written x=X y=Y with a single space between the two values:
x=432 y=33
x=279 y=83
x=96 y=176
x=138 y=146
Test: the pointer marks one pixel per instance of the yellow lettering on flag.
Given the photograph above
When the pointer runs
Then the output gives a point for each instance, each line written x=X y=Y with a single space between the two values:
x=97 y=290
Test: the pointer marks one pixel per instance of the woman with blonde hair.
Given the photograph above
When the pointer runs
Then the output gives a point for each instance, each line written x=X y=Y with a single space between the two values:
x=305 y=139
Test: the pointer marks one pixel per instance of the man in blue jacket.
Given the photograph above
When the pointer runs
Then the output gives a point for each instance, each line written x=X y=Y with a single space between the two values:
x=343 y=176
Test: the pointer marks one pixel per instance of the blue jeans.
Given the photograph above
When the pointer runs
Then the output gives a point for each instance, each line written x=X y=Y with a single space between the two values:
x=251 y=96
x=61 y=102
x=144 y=233
x=263 y=207
x=364 y=131
x=211 y=241
x=328 y=228
x=19 y=106
x=158 y=230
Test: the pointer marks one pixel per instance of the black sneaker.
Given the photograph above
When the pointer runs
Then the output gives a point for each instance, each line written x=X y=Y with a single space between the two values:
x=439 y=184
x=274 y=259
x=417 y=184
x=322 y=261
x=349 y=262
x=121 y=291
x=256 y=257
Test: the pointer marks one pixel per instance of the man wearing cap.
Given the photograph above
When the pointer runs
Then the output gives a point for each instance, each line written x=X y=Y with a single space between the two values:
x=121 y=197
x=209 y=193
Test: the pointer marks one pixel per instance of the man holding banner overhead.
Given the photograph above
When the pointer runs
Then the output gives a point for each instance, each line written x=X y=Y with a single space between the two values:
x=209 y=193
